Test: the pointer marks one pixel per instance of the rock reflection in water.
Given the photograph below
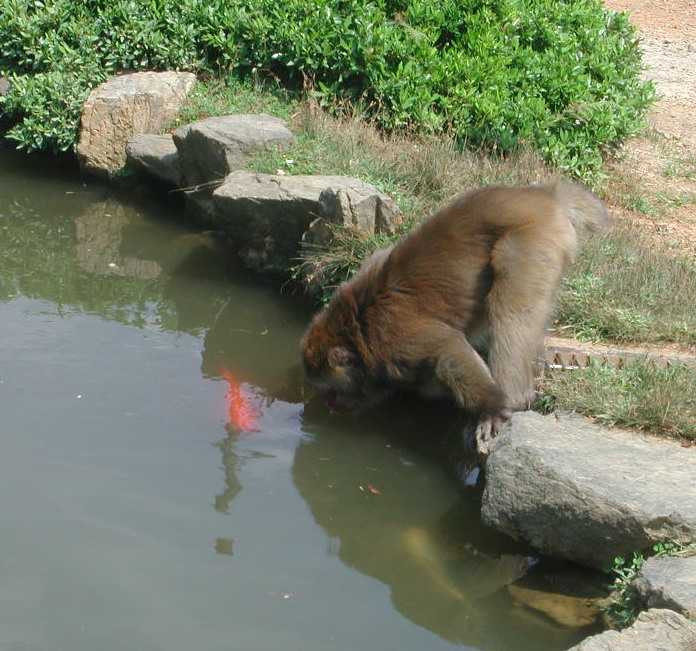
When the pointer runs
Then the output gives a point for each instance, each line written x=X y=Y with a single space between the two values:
x=99 y=235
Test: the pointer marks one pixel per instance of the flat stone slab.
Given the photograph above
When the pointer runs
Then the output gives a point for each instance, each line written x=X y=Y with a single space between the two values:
x=653 y=630
x=156 y=155
x=669 y=582
x=575 y=490
x=212 y=148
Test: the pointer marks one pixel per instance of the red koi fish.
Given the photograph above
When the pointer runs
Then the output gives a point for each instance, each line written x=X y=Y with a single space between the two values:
x=240 y=409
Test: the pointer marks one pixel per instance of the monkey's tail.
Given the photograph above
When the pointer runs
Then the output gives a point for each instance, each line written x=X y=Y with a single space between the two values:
x=583 y=209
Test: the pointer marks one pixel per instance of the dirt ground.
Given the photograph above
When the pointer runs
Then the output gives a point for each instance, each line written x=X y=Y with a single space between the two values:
x=662 y=162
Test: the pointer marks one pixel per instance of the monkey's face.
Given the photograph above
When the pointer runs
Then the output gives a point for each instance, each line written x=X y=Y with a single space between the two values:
x=339 y=374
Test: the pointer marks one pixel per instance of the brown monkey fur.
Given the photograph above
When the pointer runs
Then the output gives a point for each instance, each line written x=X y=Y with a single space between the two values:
x=477 y=281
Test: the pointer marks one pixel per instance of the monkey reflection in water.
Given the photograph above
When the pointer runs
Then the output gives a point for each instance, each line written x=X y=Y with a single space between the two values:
x=457 y=308
x=392 y=508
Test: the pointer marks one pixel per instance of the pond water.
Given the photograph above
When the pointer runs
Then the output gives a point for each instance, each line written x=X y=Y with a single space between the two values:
x=164 y=483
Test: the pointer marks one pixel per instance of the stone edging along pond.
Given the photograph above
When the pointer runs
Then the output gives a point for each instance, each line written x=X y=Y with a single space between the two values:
x=561 y=483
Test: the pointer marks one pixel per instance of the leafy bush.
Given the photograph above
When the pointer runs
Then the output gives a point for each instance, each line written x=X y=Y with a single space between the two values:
x=50 y=103
x=559 y=75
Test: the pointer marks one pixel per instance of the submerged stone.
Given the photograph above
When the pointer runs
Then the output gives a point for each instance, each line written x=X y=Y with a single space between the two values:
x=567 y=610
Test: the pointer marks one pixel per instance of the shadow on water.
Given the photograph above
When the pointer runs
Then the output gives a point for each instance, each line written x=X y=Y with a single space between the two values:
x=384 y=488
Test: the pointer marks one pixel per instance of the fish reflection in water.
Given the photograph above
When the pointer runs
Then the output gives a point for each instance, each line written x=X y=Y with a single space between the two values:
x=241 y=410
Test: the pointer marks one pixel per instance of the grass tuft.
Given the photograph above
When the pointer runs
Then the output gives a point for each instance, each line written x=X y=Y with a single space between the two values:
x=323 y=267
x=224 y=96
x=420 y=173
x=661 y=401
x=627 y=288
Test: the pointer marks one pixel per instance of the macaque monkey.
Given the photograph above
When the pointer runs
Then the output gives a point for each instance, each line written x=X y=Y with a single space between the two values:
x=457 y=308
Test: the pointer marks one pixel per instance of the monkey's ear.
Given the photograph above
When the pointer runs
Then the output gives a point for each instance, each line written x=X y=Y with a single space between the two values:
x=339 y=356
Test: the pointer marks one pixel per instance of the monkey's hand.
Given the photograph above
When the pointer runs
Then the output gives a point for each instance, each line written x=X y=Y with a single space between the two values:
x=462 y=370
x=488 y=427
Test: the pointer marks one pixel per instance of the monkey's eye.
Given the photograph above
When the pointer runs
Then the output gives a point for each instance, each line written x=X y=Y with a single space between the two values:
x=339 y=356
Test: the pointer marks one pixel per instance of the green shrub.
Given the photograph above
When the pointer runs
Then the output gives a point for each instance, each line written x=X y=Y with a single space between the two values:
x=50 y=103
x=494 y=74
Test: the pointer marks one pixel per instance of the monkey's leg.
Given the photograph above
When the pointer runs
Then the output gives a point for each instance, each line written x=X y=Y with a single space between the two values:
x=527 y=271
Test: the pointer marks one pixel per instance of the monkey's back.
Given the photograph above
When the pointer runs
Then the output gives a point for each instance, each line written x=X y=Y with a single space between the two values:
x=448 y=264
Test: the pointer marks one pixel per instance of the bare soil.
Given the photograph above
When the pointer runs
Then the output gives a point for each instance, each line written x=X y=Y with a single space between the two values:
x=661 y=164
x=668 y=39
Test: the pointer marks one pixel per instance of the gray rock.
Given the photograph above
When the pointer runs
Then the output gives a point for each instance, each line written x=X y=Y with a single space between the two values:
x=156 y=155
x=267 y=215
x=5 y=86
x=360 y=207
x=210 y=149
x=141 y=102
x=364 y=209
x=578 y=491
x=669 y=583
x=653 y=630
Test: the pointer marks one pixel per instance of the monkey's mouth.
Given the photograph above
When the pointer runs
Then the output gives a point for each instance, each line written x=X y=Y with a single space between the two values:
x=331 y=399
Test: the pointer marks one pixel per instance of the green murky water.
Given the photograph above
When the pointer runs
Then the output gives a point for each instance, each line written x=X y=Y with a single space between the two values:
x=137 y=514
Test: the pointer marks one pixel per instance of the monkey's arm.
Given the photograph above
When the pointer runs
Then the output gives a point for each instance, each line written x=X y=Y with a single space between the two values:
x=454 y=365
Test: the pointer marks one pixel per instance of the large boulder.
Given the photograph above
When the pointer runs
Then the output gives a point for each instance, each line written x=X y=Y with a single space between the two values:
x=141 y=102
x=578 y=491
x=653 y=630
x=210 y=149
x=156 y=155
x=669 y=582
x=266 y=215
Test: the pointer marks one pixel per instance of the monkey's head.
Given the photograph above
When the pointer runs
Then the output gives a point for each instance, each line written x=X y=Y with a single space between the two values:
x=334 y=366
